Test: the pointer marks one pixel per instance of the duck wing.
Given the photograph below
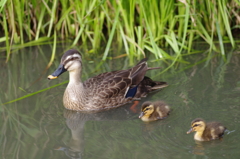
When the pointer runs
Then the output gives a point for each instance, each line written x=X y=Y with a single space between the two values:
x=122 y=82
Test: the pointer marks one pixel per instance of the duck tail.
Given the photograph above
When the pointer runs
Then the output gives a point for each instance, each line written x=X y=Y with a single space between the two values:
x=158 y=85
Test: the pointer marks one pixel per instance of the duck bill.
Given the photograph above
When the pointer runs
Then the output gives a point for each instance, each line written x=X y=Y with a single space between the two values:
x=57 y=72
x=189 y=131
x=141 y=115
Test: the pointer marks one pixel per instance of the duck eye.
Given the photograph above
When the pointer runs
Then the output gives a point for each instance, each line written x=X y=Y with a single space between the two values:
x=195 y=125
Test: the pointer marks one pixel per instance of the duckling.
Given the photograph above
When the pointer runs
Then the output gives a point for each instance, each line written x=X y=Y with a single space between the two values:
x=152 y=111
x=206 y=131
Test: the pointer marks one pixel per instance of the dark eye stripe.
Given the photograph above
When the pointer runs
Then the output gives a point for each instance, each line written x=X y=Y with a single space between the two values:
x=195 y=125
x=71 y=59
x=145 y=109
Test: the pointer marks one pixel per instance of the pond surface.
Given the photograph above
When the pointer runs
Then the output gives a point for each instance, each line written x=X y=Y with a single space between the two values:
x=40 y=127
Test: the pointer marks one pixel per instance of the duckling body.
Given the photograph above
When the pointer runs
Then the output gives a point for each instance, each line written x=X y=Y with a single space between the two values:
x=106 y=90
x=206 y=131
x=152 y=111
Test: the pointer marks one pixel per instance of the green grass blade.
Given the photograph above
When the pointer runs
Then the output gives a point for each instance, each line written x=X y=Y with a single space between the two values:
x=31 y=94
x=53 y=16
x=2 y=4
x=111 y=35
x=8 y=49
x=54 y=49
x=220 y=38
x=224 y=11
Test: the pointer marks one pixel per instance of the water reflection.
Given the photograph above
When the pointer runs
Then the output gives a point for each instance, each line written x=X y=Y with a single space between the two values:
x=32 y=127
x=202 y=148
x=76 y=121
x=198 y=149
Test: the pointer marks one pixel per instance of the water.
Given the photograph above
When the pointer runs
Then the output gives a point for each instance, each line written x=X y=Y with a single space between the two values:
x=40 y=127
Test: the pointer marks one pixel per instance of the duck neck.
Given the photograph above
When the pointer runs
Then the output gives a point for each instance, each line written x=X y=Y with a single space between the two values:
x=75 y=77
x=198 y=135
x=75 y=95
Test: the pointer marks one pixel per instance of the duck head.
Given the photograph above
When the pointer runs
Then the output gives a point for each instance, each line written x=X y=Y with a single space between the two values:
x=70 y=61
x=197 y=125
x=147 y=109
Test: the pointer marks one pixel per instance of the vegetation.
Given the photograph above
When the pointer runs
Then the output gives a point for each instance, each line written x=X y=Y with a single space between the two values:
x=136 y=25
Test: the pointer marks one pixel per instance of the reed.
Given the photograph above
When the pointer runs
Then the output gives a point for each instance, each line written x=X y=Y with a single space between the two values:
x=136 y=25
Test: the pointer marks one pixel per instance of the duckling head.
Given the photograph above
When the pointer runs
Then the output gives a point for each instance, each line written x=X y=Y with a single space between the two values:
x=147 y=109
x=197 y=125
x=70 y=61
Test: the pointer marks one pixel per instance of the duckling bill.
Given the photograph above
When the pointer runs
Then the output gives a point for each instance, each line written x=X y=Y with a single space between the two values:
x=106 y=90
x=206 y=131
x=152 y=111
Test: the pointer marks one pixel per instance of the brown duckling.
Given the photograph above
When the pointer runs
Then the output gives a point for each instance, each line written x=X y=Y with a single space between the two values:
x=206 y=131
x=152 y=111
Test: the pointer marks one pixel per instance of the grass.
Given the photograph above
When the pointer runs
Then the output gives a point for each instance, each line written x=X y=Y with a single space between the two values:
x=135 y=25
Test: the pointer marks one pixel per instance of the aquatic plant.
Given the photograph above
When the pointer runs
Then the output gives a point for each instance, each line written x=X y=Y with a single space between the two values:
x=136 y=25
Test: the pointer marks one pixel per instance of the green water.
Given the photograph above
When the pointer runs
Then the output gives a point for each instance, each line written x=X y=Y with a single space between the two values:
x=40 y=127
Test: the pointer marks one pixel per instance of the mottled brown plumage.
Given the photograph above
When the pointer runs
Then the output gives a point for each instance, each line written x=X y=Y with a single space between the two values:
x=106 y=90
x=206 y=131
x=152 y=111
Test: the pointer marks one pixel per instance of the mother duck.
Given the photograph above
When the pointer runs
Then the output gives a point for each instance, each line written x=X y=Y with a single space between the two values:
x=106 y=90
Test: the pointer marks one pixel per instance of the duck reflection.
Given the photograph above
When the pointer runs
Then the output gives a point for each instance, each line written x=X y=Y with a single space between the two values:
x=198 y=149
x=76 y=121
x=201 y=147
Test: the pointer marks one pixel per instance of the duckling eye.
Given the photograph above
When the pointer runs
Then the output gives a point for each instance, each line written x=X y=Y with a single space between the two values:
x=195 y=125
x=147 y=109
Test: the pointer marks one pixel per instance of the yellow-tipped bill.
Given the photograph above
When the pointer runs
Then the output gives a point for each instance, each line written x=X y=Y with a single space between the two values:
x=57 y=72
x=52 y=77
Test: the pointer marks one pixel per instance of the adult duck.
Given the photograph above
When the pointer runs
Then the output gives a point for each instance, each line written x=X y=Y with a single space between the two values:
x=106 y=90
